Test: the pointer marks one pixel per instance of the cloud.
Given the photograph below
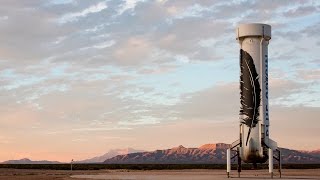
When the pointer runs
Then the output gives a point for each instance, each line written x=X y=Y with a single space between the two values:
x=102 y=45
x=301 y=11
x=185 y=35
x=101 y=129
x=21 y=41
x=144 y=120
x=58 y=2
x=222 y=101
x=313 y=74
x=311 y=30
x=284 y=87
x=18 y=115
x=215 y=103
x=133 y=51
x=74 y=16
x=158 y=70
x=127 y=5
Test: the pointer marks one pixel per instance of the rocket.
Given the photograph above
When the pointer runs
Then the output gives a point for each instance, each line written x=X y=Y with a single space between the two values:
x=254 y=145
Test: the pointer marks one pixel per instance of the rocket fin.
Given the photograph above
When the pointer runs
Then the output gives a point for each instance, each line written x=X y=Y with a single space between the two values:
x=272 y=144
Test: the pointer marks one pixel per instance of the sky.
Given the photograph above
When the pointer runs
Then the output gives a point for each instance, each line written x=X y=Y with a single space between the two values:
x=79 y=78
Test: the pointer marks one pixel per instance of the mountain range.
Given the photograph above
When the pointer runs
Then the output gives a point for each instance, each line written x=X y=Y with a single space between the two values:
x=205 y=154
x=109 y=154
x=208 y=153
x=28 y=161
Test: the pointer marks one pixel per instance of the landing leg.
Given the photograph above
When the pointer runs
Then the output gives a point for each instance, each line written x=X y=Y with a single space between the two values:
x=279 y=161
x=228 y=163
x=239 y=163
x=271 y=162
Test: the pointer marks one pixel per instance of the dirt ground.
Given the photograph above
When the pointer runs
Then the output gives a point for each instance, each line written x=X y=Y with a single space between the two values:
x=154 y=174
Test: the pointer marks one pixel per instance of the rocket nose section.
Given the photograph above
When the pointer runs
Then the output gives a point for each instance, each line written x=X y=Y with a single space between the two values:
x=254 y=29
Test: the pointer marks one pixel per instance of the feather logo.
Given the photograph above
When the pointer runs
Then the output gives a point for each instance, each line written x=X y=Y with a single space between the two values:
x=249 y=92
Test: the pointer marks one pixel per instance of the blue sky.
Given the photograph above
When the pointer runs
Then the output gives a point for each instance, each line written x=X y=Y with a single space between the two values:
x=78 y=78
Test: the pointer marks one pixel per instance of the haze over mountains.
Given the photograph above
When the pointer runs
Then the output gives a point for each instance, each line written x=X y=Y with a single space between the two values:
x=205 y=154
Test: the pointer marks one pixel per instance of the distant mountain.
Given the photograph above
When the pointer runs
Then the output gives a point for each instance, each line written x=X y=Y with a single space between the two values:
x=28 y=161
x=208 y=153
x=315 y=152
x=303 y=157
x=110 y=154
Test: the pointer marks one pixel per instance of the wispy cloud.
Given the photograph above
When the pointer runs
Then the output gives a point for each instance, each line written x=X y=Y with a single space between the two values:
x=74 y=16
x=101 y=45
x=127 y=5
x=61 y=1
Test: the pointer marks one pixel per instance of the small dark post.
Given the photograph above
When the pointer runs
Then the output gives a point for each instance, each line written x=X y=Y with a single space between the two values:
x=71 y=164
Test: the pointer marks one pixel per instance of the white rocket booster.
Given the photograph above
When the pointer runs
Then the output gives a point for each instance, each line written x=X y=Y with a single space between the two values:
x=254 y=145
x=254 y=108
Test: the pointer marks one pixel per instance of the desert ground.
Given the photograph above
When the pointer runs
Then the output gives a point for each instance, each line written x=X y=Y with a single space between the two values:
x=153 y=174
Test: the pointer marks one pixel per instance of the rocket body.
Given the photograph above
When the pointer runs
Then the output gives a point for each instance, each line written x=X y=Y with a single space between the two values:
x=254 y=108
